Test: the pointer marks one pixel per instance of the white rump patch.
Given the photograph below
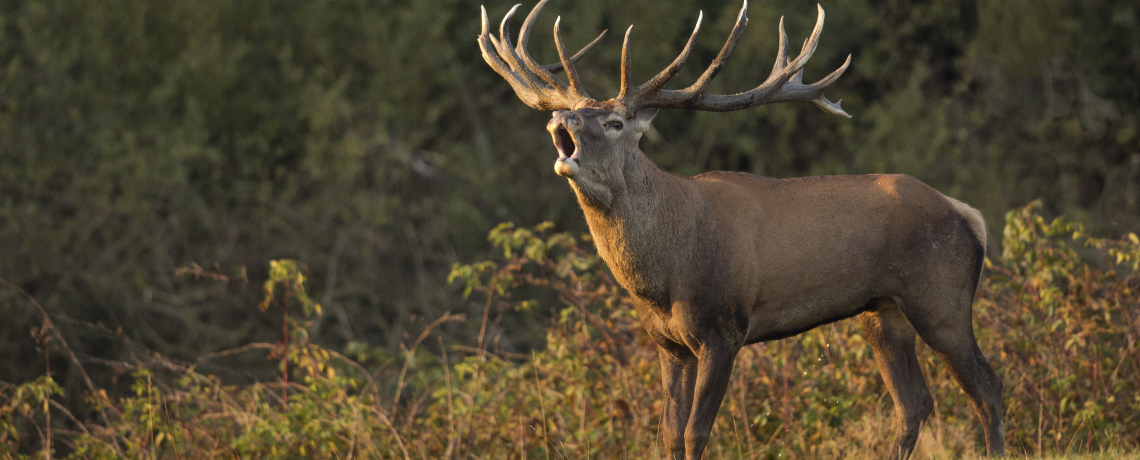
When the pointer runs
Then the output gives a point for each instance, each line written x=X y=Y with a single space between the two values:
x=973 y=216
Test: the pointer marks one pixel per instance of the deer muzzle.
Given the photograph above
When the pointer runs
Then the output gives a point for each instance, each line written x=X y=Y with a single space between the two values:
x=564 y=129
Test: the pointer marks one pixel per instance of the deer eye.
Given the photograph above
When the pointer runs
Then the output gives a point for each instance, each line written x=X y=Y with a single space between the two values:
x=614 y=125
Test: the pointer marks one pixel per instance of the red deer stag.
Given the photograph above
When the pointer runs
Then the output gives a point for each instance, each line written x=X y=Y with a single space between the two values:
x=722 y=260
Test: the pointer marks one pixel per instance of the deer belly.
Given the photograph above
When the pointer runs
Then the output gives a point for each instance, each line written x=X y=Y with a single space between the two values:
x=802 y=313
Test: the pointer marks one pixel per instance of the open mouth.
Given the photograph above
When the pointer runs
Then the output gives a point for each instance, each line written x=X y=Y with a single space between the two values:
x=565 y=143
x=567 y=164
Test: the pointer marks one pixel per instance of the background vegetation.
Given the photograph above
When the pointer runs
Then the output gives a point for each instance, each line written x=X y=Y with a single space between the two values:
x=1061 y=334
x=154 y=155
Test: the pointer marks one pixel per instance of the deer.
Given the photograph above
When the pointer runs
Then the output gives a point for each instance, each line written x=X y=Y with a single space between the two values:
x=722 y=260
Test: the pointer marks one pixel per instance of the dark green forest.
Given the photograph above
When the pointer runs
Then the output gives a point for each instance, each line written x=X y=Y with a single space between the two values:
x=155 y=155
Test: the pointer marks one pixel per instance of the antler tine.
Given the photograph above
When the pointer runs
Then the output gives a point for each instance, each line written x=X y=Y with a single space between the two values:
x=781 y=54
x=557 y=66
x=651 y=94
x=655 y=84
x=546 y=72
x=626 y=79
x=821 y=101
x=828 y=80
x=524 y=37
x=783 y=85
x=486 y=43
x=514 y=57
x=809 y=46
x=784 y=63
x=571 y=73
x=507 y=52
x=722 y=57
x=534 y=84
x=524 y=33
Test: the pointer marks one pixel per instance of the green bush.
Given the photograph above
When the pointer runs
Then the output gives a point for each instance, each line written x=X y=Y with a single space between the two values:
x=369 y=139
x=1059 y=328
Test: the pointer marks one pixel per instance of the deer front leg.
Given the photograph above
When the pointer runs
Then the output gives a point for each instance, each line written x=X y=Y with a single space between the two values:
x=714 y=369
x=678 y=375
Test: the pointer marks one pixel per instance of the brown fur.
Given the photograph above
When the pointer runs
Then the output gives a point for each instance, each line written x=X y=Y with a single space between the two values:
x=721 y=260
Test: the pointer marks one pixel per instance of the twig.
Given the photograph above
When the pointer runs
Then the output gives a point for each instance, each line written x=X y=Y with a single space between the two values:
x=451 y=440
x=173 y=439
x=571 y=297
x=399 y=441
x=82 y=372
x=198 y=272
x=412 y=351
x=47 y=399
x=358 y=367
x=500 y=354
x=481 y=354
x=66 y=412
x=234 y=351
x=542 y=406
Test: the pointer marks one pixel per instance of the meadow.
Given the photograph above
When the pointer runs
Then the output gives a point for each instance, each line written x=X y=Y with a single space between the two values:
x=1057 y=314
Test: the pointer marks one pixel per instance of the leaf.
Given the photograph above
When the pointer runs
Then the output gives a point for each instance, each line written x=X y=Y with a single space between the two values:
x=535 y=250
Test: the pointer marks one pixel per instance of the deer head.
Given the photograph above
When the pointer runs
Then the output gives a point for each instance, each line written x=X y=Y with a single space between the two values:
x=597 y=140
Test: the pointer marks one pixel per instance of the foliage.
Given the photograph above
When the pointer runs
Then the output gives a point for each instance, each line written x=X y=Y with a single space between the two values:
x=1060 y=331
x=1071 y=337
x=369 y=139
x=174 y=411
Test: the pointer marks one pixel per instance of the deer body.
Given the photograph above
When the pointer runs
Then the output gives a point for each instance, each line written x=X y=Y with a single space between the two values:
x=721 y=260
x=789 y=256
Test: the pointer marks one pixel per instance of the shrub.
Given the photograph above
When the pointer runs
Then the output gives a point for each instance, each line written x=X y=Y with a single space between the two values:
x=1057 y=316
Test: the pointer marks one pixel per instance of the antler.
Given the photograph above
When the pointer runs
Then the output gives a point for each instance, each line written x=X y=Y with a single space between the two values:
x=784 y=84
x=535 y=84
x=538 y=87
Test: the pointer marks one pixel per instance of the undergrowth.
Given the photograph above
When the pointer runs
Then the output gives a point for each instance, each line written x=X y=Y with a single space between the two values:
x=1058 y=316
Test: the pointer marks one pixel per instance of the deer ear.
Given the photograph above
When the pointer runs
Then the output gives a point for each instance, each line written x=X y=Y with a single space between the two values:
x=643 y=118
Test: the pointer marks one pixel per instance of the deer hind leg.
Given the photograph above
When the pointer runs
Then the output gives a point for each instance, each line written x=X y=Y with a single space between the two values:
x=950 y=333
x=678 y=379
x=892 y=338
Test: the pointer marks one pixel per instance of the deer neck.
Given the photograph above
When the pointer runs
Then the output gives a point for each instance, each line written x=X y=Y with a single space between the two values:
x=632 y=218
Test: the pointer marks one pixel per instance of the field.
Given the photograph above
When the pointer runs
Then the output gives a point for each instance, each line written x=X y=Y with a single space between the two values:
x=1060 y=328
